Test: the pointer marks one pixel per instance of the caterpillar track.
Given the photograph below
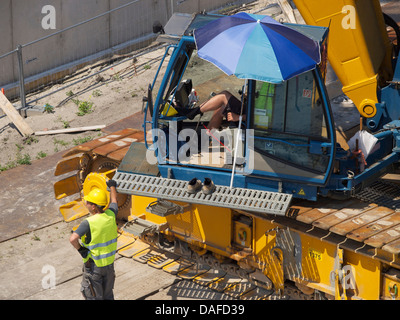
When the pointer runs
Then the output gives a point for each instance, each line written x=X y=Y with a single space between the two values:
x=197 y=272
x=300 y=255
x=100 y=155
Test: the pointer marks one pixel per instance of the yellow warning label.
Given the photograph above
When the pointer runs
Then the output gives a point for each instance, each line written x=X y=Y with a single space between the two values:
x=301 y=192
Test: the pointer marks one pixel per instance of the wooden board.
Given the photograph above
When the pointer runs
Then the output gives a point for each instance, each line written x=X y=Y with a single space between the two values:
x=69 y=130
x=14 y=116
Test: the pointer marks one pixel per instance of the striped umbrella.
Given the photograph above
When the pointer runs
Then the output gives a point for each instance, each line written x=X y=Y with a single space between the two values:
x=256 y=47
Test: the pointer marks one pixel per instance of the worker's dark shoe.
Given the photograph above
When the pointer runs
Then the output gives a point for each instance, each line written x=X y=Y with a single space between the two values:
x=189 y=113
x=208 y=186
x=194 y=185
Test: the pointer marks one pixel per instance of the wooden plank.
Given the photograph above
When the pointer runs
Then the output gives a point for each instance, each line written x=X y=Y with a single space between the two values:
x=135 y=280
x=287 y=9
x=347 y=226
x=336 y=217
x=14 y=116
x=69 y=130
x=363 y=233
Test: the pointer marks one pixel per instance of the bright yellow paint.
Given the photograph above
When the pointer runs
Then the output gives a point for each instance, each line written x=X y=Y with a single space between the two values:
x=319 y=264
x=358 y=46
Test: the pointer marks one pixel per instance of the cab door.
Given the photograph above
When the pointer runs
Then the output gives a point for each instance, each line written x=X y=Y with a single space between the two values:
x=293 y=130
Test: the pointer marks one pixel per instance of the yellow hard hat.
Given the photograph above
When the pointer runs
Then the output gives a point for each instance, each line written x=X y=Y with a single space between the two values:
x=97 y=196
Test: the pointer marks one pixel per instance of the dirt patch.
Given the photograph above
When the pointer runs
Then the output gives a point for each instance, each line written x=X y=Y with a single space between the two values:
x=99 y=100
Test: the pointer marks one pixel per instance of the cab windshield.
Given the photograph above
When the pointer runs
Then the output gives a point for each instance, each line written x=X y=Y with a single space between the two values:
x=289 y=122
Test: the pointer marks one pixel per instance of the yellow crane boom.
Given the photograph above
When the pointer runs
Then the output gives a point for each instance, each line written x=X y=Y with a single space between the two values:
x=359 y=48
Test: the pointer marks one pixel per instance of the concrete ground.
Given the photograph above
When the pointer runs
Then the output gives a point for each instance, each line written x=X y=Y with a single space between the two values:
x=37 y=260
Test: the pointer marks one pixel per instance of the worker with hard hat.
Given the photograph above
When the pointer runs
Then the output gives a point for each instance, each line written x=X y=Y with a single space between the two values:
x=98 y=243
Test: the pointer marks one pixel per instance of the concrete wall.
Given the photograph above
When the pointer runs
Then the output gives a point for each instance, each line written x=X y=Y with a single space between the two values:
x=21 y=23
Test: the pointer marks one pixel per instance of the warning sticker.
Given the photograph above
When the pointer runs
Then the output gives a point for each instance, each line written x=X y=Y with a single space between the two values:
x=307 y=93
x=301 y=192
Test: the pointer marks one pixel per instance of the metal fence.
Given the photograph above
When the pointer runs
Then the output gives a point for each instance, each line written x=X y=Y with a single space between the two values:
x=39 y=64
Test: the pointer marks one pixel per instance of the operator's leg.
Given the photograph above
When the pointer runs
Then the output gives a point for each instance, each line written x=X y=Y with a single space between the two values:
x=216 y=104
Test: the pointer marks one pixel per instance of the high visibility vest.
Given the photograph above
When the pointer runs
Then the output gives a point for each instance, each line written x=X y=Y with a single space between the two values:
x=103 y=243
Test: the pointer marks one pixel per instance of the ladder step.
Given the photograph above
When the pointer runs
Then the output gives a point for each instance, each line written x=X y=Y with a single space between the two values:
x=236 y=198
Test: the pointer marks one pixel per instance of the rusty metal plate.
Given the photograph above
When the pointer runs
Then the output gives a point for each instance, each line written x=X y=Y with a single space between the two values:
x=323 y=208
x=394 y=246
x=119 y=154
x=297 y=210
x=361 y=220
x=339 y=216
x=380 y=239
x=375 y=227
x=90 y=145
x=117 y=144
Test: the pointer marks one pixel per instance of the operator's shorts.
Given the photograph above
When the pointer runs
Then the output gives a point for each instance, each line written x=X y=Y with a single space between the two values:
x=235 y=105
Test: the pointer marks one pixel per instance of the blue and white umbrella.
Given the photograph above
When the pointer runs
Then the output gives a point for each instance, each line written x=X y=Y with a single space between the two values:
x=256 y=47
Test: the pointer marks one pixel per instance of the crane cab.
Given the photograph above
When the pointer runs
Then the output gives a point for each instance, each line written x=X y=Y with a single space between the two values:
x=286 y=141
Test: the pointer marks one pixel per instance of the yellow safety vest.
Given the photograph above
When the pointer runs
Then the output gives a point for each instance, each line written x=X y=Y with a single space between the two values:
x=103 y=243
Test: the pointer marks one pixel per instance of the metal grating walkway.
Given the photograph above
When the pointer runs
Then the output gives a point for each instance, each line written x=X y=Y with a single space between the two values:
x=235 y=198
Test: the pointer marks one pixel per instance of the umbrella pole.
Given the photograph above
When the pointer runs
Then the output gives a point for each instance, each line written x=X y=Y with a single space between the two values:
x=237 y=136
x=236 y=148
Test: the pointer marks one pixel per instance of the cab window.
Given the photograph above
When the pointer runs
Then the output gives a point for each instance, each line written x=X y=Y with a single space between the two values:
x=289 y=122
